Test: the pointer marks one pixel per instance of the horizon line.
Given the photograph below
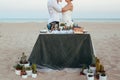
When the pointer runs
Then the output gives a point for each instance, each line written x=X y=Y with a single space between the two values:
x=48 y=18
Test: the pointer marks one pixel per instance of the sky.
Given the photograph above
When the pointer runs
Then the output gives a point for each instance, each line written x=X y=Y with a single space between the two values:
x=38 y=9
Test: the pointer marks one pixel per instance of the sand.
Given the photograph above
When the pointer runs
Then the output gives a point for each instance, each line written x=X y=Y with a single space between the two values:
x=16 y=38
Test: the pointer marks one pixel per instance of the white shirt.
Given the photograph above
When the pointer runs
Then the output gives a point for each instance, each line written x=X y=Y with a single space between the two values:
x=54 y=9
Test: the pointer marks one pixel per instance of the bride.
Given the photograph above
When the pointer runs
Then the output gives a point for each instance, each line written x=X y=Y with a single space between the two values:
x=67 y=13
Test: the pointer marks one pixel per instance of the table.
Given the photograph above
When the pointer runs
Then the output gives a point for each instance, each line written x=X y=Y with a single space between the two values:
x=62 y=50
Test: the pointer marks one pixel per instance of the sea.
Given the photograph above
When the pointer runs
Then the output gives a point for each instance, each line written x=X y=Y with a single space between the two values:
x=22 y=20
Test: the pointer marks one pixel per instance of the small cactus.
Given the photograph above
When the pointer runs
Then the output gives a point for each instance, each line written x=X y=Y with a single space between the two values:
x=34 y=68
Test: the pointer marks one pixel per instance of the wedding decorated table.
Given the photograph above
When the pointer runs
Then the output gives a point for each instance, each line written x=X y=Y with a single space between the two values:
x=62 y=50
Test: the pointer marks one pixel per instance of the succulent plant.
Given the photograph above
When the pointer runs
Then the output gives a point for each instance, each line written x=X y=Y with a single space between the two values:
x=23 y=59
x=75 y=25
x=102 y=69
x=34 y=68
x=90 y=75
x=28 y=68
x=18 y=67
x=90 y=71
x=97 y=65
x=62 y=24
x=83 y=67
x=93 y=65
x=97 y=75
x=23 y=71
x=103 y=74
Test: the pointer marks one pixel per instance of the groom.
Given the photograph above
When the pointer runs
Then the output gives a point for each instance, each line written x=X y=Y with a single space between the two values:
x=54 y=9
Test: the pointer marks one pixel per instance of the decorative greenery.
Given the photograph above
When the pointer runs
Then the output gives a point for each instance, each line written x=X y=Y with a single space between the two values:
x=23 y=71
x=62 y=24
x=90 y=71
x=97 y=75
x=23 y=59
x=83 y=67
x=93 y=65
x=103 y=74
x=28 y=68
x=18 y=67
x=34 y=68
x=97 y=65
x=90 y=75
x=75 y=25
x=102 y=68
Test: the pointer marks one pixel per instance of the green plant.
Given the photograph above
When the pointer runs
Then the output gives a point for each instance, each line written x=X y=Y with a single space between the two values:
x=23 y=71
x=90 y=71
x=84 y=67
x=34 y=68
x=62 y=24
x=93 y=65
x=102 y=69
x=75 y=25
x=34 y=72
x=18 y=67
x=103 y=74
x=23 y=59
x=90 y=75
x=28 y=68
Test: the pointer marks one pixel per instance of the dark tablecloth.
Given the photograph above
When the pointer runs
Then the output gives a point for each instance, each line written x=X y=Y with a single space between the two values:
x=62 y=50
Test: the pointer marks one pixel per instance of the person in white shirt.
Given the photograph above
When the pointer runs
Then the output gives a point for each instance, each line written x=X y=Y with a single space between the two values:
x=54 y=10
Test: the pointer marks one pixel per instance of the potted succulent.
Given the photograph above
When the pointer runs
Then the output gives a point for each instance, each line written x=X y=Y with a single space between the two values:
x=89 y=72
x=102 y=73
x=28 y=71
x=23 y=60
x=97 y=75
x=75 y=25
x=84 y=70
x=90 y=77
x=62 y=25
x=102 y=69
x=23 y=73
x=93 y=68
x=103 y=76
x=18 y=69
x=34 y=71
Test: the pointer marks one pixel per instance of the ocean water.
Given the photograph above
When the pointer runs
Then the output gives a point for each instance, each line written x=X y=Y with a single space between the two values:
x=21 y=20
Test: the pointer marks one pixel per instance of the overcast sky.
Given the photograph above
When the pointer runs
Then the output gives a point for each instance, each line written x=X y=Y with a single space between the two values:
x=38 y=9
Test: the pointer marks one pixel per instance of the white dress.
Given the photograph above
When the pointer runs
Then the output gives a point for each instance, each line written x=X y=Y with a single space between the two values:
x=67 y=17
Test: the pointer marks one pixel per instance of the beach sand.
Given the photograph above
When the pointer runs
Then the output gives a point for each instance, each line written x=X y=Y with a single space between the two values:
x=16 y=38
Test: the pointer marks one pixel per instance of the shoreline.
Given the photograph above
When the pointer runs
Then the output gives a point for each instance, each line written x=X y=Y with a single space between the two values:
x=37 y=20
x=47 y=21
